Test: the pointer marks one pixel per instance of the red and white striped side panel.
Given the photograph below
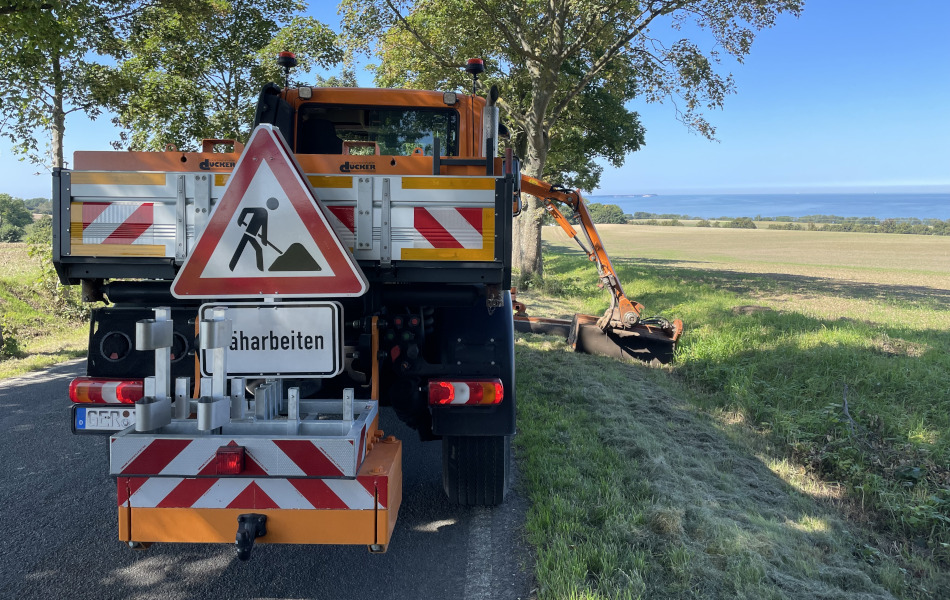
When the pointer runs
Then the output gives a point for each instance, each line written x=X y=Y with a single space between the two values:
x=253 y=493
x=444 y=233
x=448 y=227
x=418 y=227
x=123 y=228
x=115 y=222
x=307 y=457
x=343 y=221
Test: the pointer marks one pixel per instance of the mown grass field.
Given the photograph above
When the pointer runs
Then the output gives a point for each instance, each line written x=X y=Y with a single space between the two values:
x=30 y=315
x=799 y=447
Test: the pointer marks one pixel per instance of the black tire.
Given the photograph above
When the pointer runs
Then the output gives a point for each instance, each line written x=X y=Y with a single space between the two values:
x=475 y=469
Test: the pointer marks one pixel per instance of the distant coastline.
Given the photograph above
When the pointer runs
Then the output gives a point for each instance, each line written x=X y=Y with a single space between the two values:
x=713 y=206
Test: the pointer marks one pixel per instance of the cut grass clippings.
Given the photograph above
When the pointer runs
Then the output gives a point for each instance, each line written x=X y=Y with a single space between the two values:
x=635 y=494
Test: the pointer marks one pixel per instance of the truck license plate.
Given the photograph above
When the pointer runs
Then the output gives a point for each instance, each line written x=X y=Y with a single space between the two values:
x=103 y=418
x=281 y=339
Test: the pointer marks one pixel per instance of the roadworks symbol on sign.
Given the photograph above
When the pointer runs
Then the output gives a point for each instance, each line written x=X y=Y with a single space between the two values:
x=267 y=236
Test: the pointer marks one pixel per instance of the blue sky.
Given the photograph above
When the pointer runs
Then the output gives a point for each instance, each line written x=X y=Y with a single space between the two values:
x=852 y=96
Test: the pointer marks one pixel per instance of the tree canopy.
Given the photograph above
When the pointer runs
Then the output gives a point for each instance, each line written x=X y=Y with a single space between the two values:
x=606 y=213
x=14 y=212
x=188 y=76
x=14 y=216
x=174 y=71
x=569 y=72
x=44 y=69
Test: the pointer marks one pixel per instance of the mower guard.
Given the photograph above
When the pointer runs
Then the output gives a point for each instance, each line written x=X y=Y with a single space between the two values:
x=641 y=342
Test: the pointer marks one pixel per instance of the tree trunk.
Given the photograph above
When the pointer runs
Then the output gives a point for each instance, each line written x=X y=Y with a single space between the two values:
x=58 y=125
x=527 y=228
x=527 y=233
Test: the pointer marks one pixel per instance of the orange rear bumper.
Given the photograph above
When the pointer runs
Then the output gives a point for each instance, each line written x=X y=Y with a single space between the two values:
x=376 y=492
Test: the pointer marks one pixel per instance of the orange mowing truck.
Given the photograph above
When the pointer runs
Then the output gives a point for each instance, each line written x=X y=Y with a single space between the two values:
x=261 y=301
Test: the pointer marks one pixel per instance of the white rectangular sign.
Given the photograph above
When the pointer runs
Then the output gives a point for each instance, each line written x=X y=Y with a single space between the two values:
x=281 y=339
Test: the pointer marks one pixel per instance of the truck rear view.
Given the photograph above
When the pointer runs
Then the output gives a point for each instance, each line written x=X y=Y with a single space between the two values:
x=263 y=302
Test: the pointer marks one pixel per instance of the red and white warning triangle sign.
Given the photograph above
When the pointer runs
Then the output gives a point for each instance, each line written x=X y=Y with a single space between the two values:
x=267 y=236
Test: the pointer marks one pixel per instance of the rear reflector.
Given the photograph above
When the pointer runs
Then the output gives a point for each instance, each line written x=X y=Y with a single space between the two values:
x=487 y=391
x=111 y=391
x=229 y=460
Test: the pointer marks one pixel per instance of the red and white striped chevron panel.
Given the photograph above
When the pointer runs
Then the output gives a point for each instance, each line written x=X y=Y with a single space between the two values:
x=446 y=227
x=118 y=222
x=253 y=493
x=264 y=456
x=343 y=220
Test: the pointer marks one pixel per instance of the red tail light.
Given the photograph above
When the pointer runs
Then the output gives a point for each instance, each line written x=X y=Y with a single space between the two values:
x=486 y=391
x=111 y=391
x=229 y=460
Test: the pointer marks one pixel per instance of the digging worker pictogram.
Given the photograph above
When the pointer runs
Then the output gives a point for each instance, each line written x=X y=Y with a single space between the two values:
x=254 y=228
x=254 y=221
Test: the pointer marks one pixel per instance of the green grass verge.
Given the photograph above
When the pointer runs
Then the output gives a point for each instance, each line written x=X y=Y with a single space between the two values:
x=636 y=494
x=36 y=335
x=772 y=359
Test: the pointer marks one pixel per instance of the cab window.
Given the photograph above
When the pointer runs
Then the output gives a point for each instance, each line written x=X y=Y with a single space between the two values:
x=327 y=129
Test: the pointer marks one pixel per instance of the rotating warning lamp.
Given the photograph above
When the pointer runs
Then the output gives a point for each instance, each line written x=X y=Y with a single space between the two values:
x=287 y=60
x=474 y=66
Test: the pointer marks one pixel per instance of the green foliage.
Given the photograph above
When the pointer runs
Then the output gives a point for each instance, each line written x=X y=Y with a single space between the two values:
x=10 y=233
x=186 y=76
x=741 y=223
x=863 y=225
x=53 y=65
x=786 y=226
x=583 y=119
x=41 y=206
x=667 y=223
x=648 y=215
x=65 y=300
x=45 y=68
x=9 y=345
x=606 y=213
x=816 y=223
x=14 y=212
x=14 y=216
x=40 y=234
x=35 y=334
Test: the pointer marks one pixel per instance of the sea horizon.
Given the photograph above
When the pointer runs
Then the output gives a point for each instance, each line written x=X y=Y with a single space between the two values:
x=880 y=205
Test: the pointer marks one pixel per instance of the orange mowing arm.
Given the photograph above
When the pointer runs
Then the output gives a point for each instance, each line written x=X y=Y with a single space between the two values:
x=623 y=311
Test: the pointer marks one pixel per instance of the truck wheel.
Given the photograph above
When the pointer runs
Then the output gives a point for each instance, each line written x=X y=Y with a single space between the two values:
x=475 y=469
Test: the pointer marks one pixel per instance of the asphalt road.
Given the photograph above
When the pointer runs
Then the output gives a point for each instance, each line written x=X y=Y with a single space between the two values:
x=60 y=538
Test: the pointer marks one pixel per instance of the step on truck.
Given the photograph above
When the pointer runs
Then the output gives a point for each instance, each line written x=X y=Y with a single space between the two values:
x=259 y=302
